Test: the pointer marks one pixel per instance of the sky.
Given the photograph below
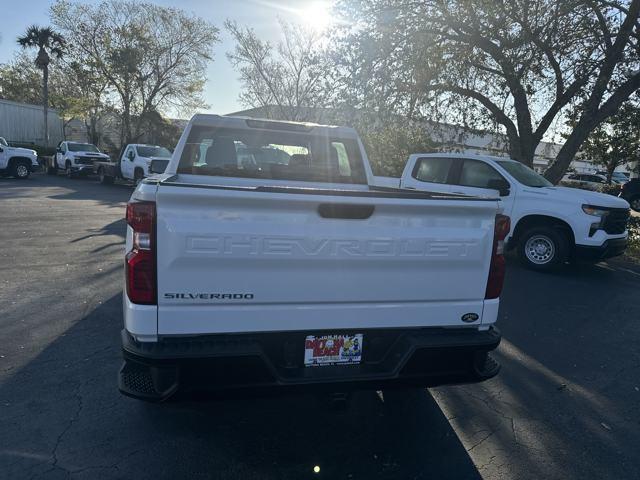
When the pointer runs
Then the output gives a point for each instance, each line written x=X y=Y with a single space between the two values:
x=222 y=88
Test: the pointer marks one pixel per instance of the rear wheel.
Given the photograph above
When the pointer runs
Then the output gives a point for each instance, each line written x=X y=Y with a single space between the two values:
x=543 y=248
x=67 y=169
x=138 y=176
x=20 y=169
x=635 y=203
x=104 y=178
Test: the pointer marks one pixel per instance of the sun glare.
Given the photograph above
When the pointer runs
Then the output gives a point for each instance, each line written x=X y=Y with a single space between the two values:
x=317 y=15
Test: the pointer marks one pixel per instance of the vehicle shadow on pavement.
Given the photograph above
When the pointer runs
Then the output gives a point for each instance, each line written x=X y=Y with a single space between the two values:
x=117 y=227
x=62 y=416
x=565 y=402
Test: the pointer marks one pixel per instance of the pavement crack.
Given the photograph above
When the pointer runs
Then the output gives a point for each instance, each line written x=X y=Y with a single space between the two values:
x=72 y=420
x=481 y=441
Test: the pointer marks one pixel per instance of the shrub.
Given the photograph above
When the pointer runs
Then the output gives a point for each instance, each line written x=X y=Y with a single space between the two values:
x=633 y=250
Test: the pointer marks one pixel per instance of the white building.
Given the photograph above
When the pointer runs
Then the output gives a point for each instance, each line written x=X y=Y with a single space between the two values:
x=24 y=123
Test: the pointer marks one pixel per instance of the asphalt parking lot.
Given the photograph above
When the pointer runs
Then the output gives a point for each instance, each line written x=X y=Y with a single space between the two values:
x=565 y=405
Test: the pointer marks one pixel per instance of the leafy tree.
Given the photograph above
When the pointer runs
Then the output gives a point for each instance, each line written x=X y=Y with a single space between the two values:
x=616 y=141
x=21 y=81
x=152 y=58
x=390 y=142
x=294 y=81
x=48 y=42
x=79 y=93
x=75 y=91
x=289 y=80
x=519 y=64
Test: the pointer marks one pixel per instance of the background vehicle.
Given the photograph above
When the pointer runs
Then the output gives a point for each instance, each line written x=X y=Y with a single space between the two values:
x=17 y=162
x=75 y=159
x=589 y=180
x=549 y=224
x=616 y=177
x=631 y=193
x=250 y=272
x=134 y=164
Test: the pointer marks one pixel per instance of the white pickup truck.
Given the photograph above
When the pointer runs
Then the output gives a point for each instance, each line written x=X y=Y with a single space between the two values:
x=138 y=161
x=549 y=224
x=263 y=257
x=17 y=162
x=75 y=158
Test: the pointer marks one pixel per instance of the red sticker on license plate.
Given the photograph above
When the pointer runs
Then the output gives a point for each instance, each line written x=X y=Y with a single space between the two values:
x=333 y=349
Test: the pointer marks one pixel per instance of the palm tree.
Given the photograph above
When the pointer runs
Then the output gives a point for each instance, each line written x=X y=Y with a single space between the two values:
x=48 y=42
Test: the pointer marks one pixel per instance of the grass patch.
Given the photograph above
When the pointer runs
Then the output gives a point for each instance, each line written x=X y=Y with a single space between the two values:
x=633 y=250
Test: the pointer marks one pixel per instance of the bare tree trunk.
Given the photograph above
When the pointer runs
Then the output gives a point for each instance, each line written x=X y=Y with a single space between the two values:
x=522 y=151
x=45 y=102
x=571 y=146
x=610 y=168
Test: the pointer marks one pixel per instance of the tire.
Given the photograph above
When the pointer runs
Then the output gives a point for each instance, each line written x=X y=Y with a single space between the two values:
x=104 y=179
x=138 y=176
x=67 y=170
x=543 y=248
x=635 y=203
x=20 y=170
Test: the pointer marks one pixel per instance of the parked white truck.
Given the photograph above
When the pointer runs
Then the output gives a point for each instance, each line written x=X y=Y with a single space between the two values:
x=17 y=162
x=75 y=158
x=136 y=162
x=549 y=224
x=263 y=257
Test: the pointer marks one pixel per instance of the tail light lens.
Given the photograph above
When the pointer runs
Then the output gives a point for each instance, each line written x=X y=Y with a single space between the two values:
x=141 y=260
x=498 y=264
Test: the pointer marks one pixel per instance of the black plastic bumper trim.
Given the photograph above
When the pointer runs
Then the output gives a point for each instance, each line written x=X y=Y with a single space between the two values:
x=394 y=357
x=610 y=248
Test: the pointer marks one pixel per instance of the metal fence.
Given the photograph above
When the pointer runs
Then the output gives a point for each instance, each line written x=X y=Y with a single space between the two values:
x=24 y=123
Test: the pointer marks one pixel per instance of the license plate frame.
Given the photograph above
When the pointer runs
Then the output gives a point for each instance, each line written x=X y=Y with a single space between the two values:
x=333 y=349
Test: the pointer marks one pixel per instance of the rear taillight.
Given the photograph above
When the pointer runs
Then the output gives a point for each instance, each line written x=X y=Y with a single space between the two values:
x=141 y=260
x=498 y=265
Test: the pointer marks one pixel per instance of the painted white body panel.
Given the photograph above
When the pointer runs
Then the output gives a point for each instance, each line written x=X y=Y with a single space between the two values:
x=412 y=263
x=559 y=202
x=129 y=165
x=8 y=153
x=61 y=158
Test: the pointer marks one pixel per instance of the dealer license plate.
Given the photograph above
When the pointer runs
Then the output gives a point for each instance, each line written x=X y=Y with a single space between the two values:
x=332 y=349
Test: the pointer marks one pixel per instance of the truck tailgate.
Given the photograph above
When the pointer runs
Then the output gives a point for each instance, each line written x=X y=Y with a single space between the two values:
x=236 y=260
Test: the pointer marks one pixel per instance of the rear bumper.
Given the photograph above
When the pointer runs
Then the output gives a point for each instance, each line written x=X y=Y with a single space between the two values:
x=610 y=248
x=391 y=358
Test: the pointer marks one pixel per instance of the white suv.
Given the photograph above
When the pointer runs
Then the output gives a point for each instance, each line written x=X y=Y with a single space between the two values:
x=549 y=224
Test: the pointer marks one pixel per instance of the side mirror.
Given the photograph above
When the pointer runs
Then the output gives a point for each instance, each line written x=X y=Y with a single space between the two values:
x=131 y=156
x=501 y=185
x=58 y=150
x=158 y=166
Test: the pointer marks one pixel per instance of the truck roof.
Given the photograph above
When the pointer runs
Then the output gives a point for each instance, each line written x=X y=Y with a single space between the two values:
x=241 y=122
x=471 y=156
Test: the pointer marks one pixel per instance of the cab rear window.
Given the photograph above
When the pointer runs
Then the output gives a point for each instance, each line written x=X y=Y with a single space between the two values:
x=275 y=155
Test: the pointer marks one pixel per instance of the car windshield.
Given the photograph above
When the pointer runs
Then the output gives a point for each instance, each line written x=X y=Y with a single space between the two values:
x=524 y=174
x=151 y=151
x=3 y=142
x=82 y=147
